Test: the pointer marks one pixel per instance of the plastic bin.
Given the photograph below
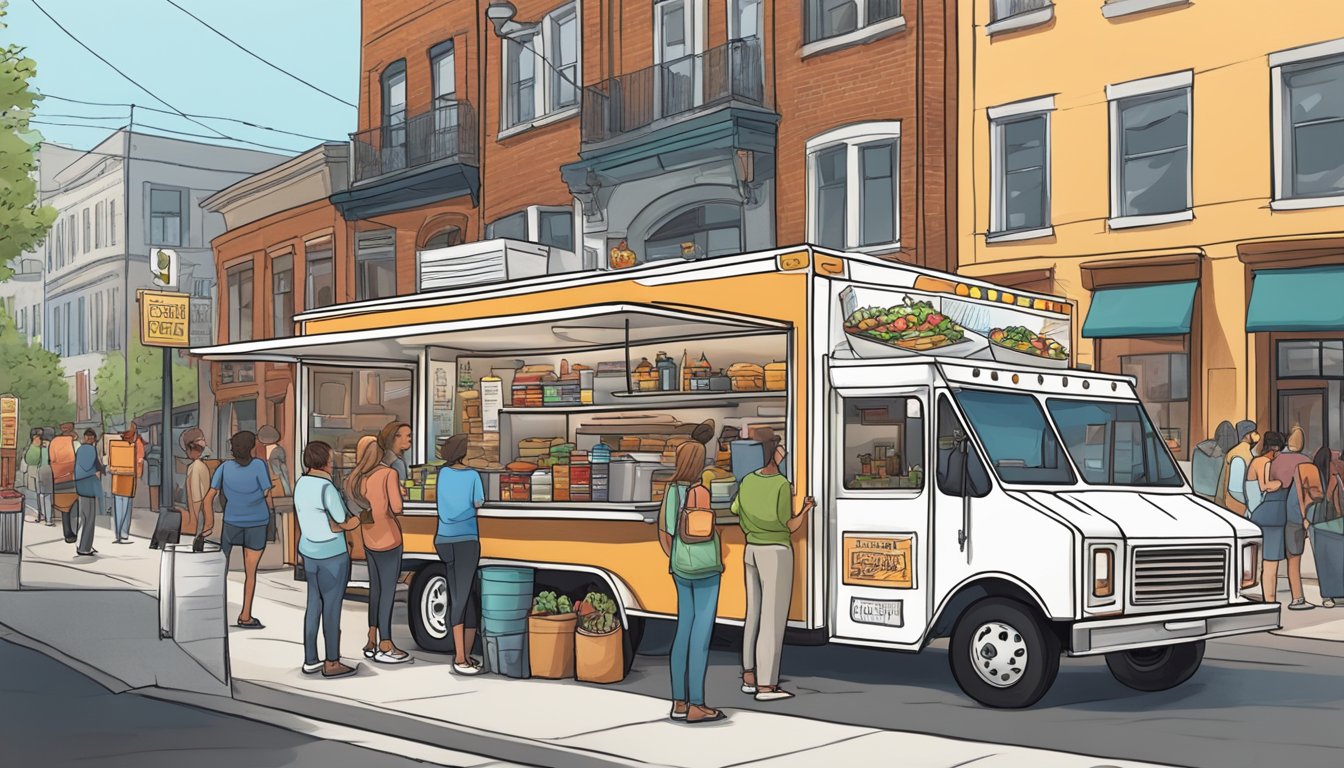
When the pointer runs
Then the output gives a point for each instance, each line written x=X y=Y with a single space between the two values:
x=506 y=600
x=507 y=655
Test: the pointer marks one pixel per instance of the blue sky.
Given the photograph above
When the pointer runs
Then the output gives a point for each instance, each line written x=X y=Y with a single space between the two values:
x=192 y=68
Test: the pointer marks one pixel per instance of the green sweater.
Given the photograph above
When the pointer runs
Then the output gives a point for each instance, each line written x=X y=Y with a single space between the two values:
x=763 y=506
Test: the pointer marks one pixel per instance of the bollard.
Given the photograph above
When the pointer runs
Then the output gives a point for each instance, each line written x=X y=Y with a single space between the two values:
x=11 y=538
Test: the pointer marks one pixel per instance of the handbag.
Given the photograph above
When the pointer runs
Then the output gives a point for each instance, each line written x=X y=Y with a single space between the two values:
x=694 y=525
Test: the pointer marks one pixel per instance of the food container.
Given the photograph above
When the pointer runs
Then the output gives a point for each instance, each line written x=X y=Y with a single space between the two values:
x=1016 y=357
x=541 y=486
x=722 y=492
x=776 y=376
x=720 y=383
x=560 y=482
x=632 y=481
x=601 y=475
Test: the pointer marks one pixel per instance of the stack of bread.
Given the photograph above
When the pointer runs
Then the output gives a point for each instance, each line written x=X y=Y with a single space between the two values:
x=482 y=446
x=776 y=376
x=747 y=377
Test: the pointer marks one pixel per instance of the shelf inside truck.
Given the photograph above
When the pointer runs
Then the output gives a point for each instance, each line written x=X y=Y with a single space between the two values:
x=645 y=511
x=663 y=400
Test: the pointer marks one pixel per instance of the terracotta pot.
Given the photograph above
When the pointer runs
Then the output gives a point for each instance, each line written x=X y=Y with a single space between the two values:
x=599 y=658
x=550 y=645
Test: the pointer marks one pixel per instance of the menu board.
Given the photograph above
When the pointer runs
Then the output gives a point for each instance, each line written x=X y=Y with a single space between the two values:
x=442 y=397
x=492 y=401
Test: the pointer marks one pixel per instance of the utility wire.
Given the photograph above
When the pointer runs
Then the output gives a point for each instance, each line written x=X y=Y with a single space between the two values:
x=114 y=68
x=138 y=159
x=244 y=49
x=189 y=114
x=41 y=121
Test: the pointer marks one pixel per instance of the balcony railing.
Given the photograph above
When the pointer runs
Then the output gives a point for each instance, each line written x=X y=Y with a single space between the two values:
x=732 y=72
x=1004 y=9
x=446 y=132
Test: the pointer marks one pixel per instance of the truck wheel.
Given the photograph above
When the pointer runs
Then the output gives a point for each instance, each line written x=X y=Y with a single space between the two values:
x=427 y=609
x=1003 y=654
x=1156 y=669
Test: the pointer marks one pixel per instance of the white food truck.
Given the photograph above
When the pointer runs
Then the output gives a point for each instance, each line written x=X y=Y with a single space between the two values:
x=970 y=484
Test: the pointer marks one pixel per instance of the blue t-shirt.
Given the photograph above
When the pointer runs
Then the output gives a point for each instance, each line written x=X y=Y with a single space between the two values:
x=316 y=502
x=244 y=490
x=459 y=492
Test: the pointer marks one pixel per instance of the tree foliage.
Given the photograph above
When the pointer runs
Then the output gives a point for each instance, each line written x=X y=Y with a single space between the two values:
x=23 y=223
x=146 y=383
x=36 y=377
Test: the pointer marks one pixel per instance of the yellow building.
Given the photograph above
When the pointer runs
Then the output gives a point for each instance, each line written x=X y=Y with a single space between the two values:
x=1177 y=168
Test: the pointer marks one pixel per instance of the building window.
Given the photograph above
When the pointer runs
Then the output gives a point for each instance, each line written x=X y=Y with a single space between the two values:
x=556 y=41
x=375 y=264
x=444 y=238
x=511 y=227
x=282 y=294
x=556 y=228
x=240 y=302
x=546 y=225
x=393 y=130
x=111 y=222
x=854 y=193
x=166 y=217
x=705 y=230
x=88 y=240
x=72 y=237
x=1150 y=150
x=1020 y=167
x=443 y=71
x=81 y=339
x=98 y=225
x=114 y=337
x=320 y=271
x=1308 y=96
x=832 y=18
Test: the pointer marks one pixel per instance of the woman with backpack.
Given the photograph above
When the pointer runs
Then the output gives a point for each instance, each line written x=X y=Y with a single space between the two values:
x=373 y=488
x=688 y=537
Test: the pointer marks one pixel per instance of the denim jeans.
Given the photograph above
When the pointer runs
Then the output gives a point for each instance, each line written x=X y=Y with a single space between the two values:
x=384 y=568
x=697 y=602
x=121 y=521
x=327 y=579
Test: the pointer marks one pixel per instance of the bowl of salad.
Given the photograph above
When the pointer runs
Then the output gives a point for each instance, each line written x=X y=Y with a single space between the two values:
x=1017 y=344
x=912 y=328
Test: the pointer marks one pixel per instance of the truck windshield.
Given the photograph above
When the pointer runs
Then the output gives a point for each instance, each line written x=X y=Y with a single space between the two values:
x=1113 y=443
x=1012 y=428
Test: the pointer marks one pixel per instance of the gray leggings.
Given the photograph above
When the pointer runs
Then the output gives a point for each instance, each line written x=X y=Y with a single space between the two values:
x=461 y=559
x=384 y=568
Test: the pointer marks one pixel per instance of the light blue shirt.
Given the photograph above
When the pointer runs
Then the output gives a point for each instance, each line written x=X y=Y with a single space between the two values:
x=317 y=502
x=244 y=489
x=459 y=492
x=1236 y=479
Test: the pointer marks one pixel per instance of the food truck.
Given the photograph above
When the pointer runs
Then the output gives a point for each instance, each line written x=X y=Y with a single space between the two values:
x=970 y=483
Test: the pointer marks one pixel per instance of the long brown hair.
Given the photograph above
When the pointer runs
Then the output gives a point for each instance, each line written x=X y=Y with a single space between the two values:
x=370 y=458
x=388 y=434
x=690 y=463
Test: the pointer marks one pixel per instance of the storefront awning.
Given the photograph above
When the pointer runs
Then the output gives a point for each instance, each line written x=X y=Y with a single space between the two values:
x=1160 y=309
x=594 y=327
x=1304 y=299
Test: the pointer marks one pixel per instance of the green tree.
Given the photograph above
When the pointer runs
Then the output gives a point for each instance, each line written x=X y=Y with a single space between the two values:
x=146 y=383
x=23 y=223
x=36 y=377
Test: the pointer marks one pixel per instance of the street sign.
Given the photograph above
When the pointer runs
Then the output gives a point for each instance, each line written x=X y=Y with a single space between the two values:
x=163 y=266
x=165 y=319
x=9 y=423
x=202 y=322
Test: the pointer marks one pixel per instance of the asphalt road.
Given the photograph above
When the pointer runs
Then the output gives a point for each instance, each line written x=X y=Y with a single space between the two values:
x=51 y=715
x=1267 y=702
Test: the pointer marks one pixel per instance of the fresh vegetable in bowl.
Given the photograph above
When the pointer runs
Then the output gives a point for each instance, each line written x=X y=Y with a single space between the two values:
x=913 y=325
x=1020 y=339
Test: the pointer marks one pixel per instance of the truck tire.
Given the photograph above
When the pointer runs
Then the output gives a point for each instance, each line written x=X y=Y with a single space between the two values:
x=1003 y=654
x=427 y=609
x=634 y=635
x=1156 y=669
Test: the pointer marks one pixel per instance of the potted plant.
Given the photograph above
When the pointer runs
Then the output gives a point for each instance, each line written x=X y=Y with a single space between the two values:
x=599 y=655
x=550 y=636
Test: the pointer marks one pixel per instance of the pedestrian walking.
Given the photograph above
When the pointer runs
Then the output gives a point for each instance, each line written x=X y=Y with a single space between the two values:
x=88 y=479
x=1285 y=470
x=64 y=498
x=200 y=518
x=125 y=481
x=695 y=561
x=372 y=486
x=30 y=464
x=457 y=540
x=244 y=483
x=764 y=507
x=323 y=520
x=45 y=487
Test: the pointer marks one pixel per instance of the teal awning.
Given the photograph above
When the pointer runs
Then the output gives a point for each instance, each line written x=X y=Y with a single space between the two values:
x=1304 y=299
x=1160 y=309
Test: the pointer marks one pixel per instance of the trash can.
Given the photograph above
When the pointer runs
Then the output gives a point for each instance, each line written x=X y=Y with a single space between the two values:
x=11 y=538
x=192 y=593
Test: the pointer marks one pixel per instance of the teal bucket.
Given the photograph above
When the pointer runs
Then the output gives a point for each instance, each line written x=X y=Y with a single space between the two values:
x=506 y=600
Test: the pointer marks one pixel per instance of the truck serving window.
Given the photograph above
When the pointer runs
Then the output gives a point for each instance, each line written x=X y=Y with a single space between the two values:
x=884 y=443
x=1114 y=443
x=1013 y=431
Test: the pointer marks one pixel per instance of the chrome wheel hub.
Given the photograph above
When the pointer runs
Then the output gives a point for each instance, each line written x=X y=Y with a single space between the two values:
x=999 y=654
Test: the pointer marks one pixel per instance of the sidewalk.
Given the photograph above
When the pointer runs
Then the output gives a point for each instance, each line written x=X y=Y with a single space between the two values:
x=105 y=618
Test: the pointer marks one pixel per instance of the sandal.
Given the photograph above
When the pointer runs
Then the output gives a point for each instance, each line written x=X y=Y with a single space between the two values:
x=251 y=623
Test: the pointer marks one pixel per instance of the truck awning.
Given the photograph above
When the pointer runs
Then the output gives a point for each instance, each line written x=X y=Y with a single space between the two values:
x=1304 y=299
x=596 y=327
x=1160 y=309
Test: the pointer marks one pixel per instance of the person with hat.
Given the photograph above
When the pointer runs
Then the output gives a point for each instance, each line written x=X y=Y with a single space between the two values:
x=1232 y=490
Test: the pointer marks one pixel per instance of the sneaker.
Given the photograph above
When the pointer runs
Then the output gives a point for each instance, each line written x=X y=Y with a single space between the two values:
x=749 y=686
x=472 y=667
x=1300 y=605
x=70 y=539
x=312 y=667
x=392 y=657
x=1328 y=602
x=679 y=709
x=331 y=669
x=772 y=693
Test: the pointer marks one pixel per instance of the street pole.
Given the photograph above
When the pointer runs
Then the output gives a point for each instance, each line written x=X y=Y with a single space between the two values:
x=166 y=436
x=126 y=276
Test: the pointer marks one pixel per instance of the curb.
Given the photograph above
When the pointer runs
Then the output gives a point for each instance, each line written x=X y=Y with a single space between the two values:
x=100 y=677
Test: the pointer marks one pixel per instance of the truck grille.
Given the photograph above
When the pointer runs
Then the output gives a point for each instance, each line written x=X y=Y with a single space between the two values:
x=1177 y=575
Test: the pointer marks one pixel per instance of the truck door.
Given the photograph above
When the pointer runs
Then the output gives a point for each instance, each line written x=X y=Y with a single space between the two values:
x=880 y=573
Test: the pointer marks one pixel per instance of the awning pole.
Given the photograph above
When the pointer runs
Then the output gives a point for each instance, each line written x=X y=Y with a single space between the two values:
x=629 y=388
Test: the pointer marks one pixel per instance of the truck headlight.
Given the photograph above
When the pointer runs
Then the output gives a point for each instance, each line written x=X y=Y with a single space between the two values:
x=1250 y=564
x=1103 y=572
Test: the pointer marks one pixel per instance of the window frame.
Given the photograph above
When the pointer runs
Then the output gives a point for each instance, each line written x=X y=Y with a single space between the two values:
x=235 y=301
x=326 y=248
x=1149 y=88
x=864 y=30
x=150 y=216
x=1282 y=64
x=441 y=51
x=543 y=37
x=85 y=227
x=376 y=254
x=112 y=222
x=531 y=216
x=999 y=117
x=855 y=138
x=919 y=395
x=98 y=225
x=278 y=261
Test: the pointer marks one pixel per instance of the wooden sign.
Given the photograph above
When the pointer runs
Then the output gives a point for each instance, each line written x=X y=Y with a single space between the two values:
x=165 y=319
x=879 y=560
x=9 y=423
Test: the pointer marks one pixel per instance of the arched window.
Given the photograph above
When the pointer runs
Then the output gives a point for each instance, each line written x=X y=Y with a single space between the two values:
x=448 y=236
x=713 y=229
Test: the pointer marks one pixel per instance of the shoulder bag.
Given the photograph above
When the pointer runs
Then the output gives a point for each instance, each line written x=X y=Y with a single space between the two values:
x=694 y=525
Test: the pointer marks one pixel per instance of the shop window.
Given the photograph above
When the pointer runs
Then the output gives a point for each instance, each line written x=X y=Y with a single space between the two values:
x=1161 y=369
x=1309 y=125
x=706 y=230
x=1311 y=359
x=375 y=264
x=883 y=443
x=321 y=278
